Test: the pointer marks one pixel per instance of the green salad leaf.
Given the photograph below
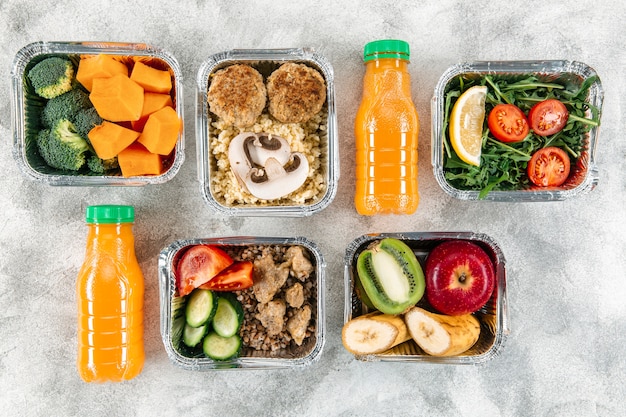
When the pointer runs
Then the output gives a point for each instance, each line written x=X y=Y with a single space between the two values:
x=503 y=165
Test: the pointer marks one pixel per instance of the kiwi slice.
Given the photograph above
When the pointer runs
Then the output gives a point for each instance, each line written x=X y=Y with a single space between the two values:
x=391 y=275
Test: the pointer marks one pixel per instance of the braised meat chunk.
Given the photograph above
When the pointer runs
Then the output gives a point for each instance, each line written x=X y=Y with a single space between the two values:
x=272 y=316
x=301 y=266
x=269 y=278
x=298 y=323
x=294 y=295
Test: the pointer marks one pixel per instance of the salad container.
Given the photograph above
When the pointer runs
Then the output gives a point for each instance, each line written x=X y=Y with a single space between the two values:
x=26 y=108
x=493 y=317
x=222 y=190
x=583 y=176
x=291 y=355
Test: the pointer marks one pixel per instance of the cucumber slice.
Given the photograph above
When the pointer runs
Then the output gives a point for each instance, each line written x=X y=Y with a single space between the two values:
x=201 y=307
x=221 y=348
x=192 y=336
x=228 y=315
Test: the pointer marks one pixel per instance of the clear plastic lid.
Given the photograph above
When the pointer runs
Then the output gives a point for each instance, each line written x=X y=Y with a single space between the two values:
x=386 y=48
x=110 y=214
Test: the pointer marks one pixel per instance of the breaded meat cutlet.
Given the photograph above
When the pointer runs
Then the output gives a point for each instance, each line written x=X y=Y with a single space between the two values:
x=296 y=92
x=237 y=95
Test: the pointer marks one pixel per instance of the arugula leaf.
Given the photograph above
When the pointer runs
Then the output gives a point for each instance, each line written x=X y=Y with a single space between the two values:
x=503 y=166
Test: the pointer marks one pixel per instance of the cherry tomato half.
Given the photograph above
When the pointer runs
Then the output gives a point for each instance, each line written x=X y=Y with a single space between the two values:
x=237 y=276
x=198 y=265
x=549 y=167
x=548 y=117
x=508 y=123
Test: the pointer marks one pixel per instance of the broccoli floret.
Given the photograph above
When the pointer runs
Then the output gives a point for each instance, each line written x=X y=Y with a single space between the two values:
x=61 y=147
x=52 y=77
x=100 y=166
x=85 y=120
x=66 y=106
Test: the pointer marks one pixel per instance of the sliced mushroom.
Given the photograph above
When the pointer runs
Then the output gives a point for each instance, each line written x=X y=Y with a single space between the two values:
x=265 y=166
x=277 y=180
x=250 y=150
x=263 y=147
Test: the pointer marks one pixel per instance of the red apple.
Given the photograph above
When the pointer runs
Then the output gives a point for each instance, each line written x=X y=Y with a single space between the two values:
x=460 y=277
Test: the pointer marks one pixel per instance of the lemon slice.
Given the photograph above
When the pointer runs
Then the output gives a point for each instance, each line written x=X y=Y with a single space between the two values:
x=466 y=124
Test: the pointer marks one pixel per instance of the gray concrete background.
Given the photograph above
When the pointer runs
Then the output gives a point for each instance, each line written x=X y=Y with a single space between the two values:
x=565 y=260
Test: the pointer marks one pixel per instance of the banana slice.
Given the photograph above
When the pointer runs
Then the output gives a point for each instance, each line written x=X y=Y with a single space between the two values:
x=441 y=335
x=373 y=333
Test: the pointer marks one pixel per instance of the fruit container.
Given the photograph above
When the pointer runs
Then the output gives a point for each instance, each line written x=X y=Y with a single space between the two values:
x=493 y=316
x=229 y=191
x=583 y=176
x=253 y=355
x=27 y=107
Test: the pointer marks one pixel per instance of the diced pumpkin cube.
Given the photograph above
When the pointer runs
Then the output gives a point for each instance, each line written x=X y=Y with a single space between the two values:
x=137 y=160
x=117 y=98
x=151 y=103
x=161 y=131
x=109 y=139
x=151 y=79
x=98 y=66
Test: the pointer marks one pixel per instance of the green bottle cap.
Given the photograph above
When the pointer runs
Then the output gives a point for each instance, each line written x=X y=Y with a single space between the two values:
x=110 y=214
x=386 y=48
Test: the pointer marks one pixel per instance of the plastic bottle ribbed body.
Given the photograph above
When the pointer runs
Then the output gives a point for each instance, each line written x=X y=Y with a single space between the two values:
x=386 y=133
x=110 y=292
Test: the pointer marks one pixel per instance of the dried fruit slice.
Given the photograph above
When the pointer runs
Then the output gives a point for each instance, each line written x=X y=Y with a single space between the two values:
x=466 y=124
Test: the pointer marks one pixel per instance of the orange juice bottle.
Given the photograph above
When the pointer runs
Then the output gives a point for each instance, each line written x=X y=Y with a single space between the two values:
x=110 y=290
x=386 y=131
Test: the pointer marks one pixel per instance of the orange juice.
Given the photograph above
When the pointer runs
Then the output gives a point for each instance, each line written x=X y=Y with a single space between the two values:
x=110 y=290
x=386 y=131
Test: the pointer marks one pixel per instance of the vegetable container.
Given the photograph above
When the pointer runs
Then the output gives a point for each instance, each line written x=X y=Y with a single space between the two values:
x=250 y=357
x=583 y=176
x=27 y=106
x=221 y=188
x=493 y=317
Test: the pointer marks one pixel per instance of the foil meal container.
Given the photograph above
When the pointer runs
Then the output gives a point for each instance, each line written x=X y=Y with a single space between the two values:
x=26 y=107
x=265 y=61
x=493 y=317
x=292 y=356
x=584 y=175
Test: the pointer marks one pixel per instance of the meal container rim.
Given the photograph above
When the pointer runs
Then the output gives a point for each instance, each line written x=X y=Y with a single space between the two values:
x=167 y=289
x=39 y=49
x=502 y=313
x=217 y=60
x=515 y=67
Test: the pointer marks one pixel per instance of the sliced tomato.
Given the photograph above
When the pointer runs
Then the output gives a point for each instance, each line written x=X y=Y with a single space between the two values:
x=237 y=276
x=198 y=265
x=548 y=117
x=508 y=123
x=549 y=167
